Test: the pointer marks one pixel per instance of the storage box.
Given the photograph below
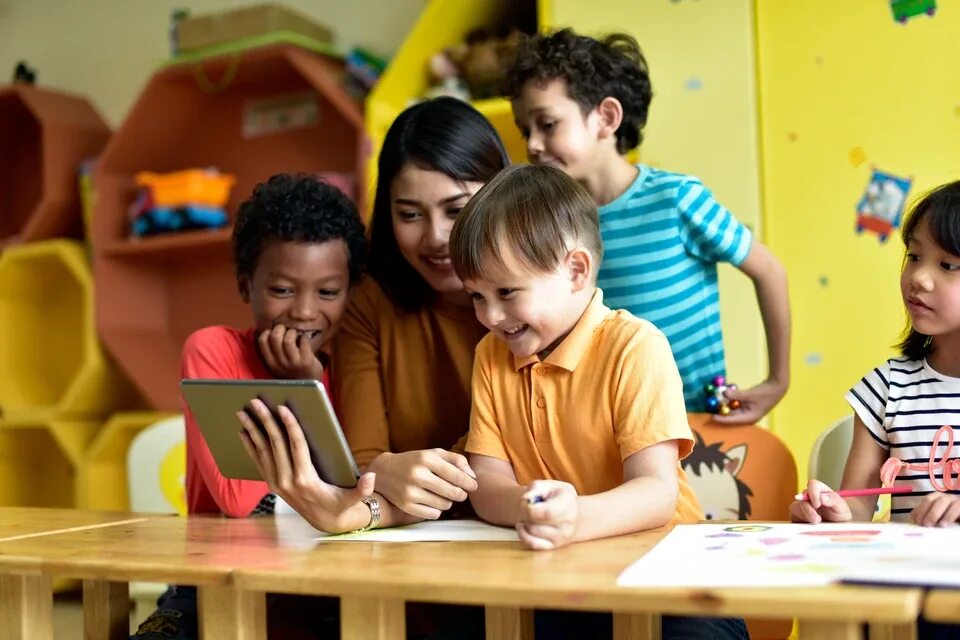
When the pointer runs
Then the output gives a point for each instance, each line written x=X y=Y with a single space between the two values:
x=203 y=31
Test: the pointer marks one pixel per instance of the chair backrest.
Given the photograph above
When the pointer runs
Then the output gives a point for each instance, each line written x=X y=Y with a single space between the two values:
x=157 y=466
x=741 y=472
x=829 y=453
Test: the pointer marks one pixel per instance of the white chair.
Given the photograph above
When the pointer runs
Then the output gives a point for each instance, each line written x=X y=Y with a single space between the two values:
x=829 y=454
x=156 y=470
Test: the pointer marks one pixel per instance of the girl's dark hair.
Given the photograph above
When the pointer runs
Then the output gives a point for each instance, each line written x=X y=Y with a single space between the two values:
x=592 y=70
x=445 y=135
x=297 y=208
x=939 y=212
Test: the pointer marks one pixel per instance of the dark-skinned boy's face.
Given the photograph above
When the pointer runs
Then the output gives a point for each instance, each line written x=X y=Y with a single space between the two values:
x=303 y=286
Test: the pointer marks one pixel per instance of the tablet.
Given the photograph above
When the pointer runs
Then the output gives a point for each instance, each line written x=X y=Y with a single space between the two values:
x=215 y=403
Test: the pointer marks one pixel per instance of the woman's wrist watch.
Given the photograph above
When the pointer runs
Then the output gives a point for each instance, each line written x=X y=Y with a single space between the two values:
x=374 y=504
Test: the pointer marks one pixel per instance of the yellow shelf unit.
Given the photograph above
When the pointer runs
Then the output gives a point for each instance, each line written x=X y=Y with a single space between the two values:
x=442 y=24
x=39 y=461
x=102 y=478
x=51 y=363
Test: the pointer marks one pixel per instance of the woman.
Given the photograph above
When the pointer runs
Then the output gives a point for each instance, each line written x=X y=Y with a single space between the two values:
x=403 y=358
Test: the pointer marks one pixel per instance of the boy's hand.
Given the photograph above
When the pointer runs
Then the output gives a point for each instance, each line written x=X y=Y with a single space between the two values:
x=283 y=459
x=937 y=510
x=824 y=506
x=548 y=514
x=755 y=402
x=287 y=357
x=424 y=483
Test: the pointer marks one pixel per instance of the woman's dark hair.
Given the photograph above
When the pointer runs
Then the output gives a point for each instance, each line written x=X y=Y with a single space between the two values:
x=592 y=70
x=297 y=208
x=445 y=135
x=939 y=212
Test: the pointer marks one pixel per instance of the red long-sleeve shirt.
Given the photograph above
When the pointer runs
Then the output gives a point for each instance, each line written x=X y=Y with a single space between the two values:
x=220 y=353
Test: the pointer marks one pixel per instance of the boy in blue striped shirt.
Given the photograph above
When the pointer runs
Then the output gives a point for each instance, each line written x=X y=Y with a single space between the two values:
x=581 y=104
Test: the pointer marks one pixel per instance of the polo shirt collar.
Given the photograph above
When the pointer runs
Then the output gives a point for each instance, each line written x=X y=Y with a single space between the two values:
x=572 y=348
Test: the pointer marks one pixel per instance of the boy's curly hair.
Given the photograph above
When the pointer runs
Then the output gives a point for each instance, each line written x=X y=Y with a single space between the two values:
x=593 y=70
x=297 y=208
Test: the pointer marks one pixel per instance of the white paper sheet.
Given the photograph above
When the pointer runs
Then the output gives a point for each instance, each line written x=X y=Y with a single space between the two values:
x=431 y=531
x=758 y=554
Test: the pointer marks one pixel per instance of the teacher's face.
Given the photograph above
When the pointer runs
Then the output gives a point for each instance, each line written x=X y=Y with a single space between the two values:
x=424 y=205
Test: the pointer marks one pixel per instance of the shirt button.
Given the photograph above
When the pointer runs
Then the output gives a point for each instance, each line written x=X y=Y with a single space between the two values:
x=541 y=403
x=541 y=370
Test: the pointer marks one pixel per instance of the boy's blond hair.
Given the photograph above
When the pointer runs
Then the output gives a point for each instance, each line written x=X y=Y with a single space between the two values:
x=539 y=213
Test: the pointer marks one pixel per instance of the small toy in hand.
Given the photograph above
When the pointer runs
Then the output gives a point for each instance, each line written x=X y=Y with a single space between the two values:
x=716 y=401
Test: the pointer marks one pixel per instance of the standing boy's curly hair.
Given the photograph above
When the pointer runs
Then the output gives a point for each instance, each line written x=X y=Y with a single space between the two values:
x=297 y=208
x=593 y=70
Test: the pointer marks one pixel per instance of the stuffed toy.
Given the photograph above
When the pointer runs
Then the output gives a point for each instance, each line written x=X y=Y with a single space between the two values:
x=474 y=68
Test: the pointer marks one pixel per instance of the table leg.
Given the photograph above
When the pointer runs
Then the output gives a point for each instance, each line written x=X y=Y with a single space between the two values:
x=907 y=631
x=372 y=618
x=509 y=623
x=636 y=626
x=106 y=610
x=26 y=607
x=830 y=630
x=226 y=613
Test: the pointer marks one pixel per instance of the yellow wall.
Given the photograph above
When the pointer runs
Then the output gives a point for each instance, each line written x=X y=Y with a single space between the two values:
x=836 y=76
x=709 y=132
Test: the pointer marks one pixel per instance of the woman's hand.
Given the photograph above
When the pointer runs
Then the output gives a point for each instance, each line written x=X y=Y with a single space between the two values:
x=937 y=510
x=288 y=354
x=548 y=514
x=423 y=483
x=824 y=505
x=283 y=459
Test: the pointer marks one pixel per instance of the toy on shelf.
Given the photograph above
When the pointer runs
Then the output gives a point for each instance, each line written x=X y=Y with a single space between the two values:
x=474 y=68
x=363 y=70
x=180 y=201
x=716 y=401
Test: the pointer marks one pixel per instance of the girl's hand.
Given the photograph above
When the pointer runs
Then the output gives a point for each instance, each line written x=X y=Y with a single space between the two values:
x=824 y=506
x=282 y=456
x=424 y=483
x=937 y=510
x=548 y=514
x=755 y=402
x=288 y=357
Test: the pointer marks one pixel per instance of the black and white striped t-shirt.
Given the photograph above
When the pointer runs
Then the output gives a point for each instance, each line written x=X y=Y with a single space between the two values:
x=903 y=403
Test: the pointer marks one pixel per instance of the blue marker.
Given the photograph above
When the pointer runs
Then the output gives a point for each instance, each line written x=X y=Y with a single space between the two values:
x=535 y=499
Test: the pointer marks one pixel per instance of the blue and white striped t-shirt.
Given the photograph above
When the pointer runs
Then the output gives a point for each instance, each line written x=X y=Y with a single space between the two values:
x=662 y=240
x=903 y=403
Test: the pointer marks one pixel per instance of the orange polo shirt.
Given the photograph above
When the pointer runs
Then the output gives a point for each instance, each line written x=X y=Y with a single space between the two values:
x=610 y=389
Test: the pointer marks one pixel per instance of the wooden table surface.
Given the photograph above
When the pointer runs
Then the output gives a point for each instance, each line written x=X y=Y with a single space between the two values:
x=942 y=605
x=25 y=522
x=236 y=561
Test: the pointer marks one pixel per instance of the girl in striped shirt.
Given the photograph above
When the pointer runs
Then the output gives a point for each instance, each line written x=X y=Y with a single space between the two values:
x=908 y=409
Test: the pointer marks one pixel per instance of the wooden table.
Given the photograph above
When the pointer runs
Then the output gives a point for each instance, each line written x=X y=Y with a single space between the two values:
x=942 y=605
x=235 y=562
x=26 y=596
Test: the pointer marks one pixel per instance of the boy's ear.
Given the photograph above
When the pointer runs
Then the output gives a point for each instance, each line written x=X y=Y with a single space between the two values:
x=243 y=286
x=580 y=268
x=610 y=113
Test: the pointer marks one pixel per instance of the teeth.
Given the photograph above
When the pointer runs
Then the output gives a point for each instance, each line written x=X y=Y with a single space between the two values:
x=439 y=261
x=515 y=330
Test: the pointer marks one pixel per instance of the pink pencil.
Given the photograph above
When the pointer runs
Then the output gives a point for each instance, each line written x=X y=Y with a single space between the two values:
x=853 y=493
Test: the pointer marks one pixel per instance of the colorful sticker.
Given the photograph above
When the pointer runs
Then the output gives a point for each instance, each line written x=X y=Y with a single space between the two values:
x=881 y=205
x=903 y=10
